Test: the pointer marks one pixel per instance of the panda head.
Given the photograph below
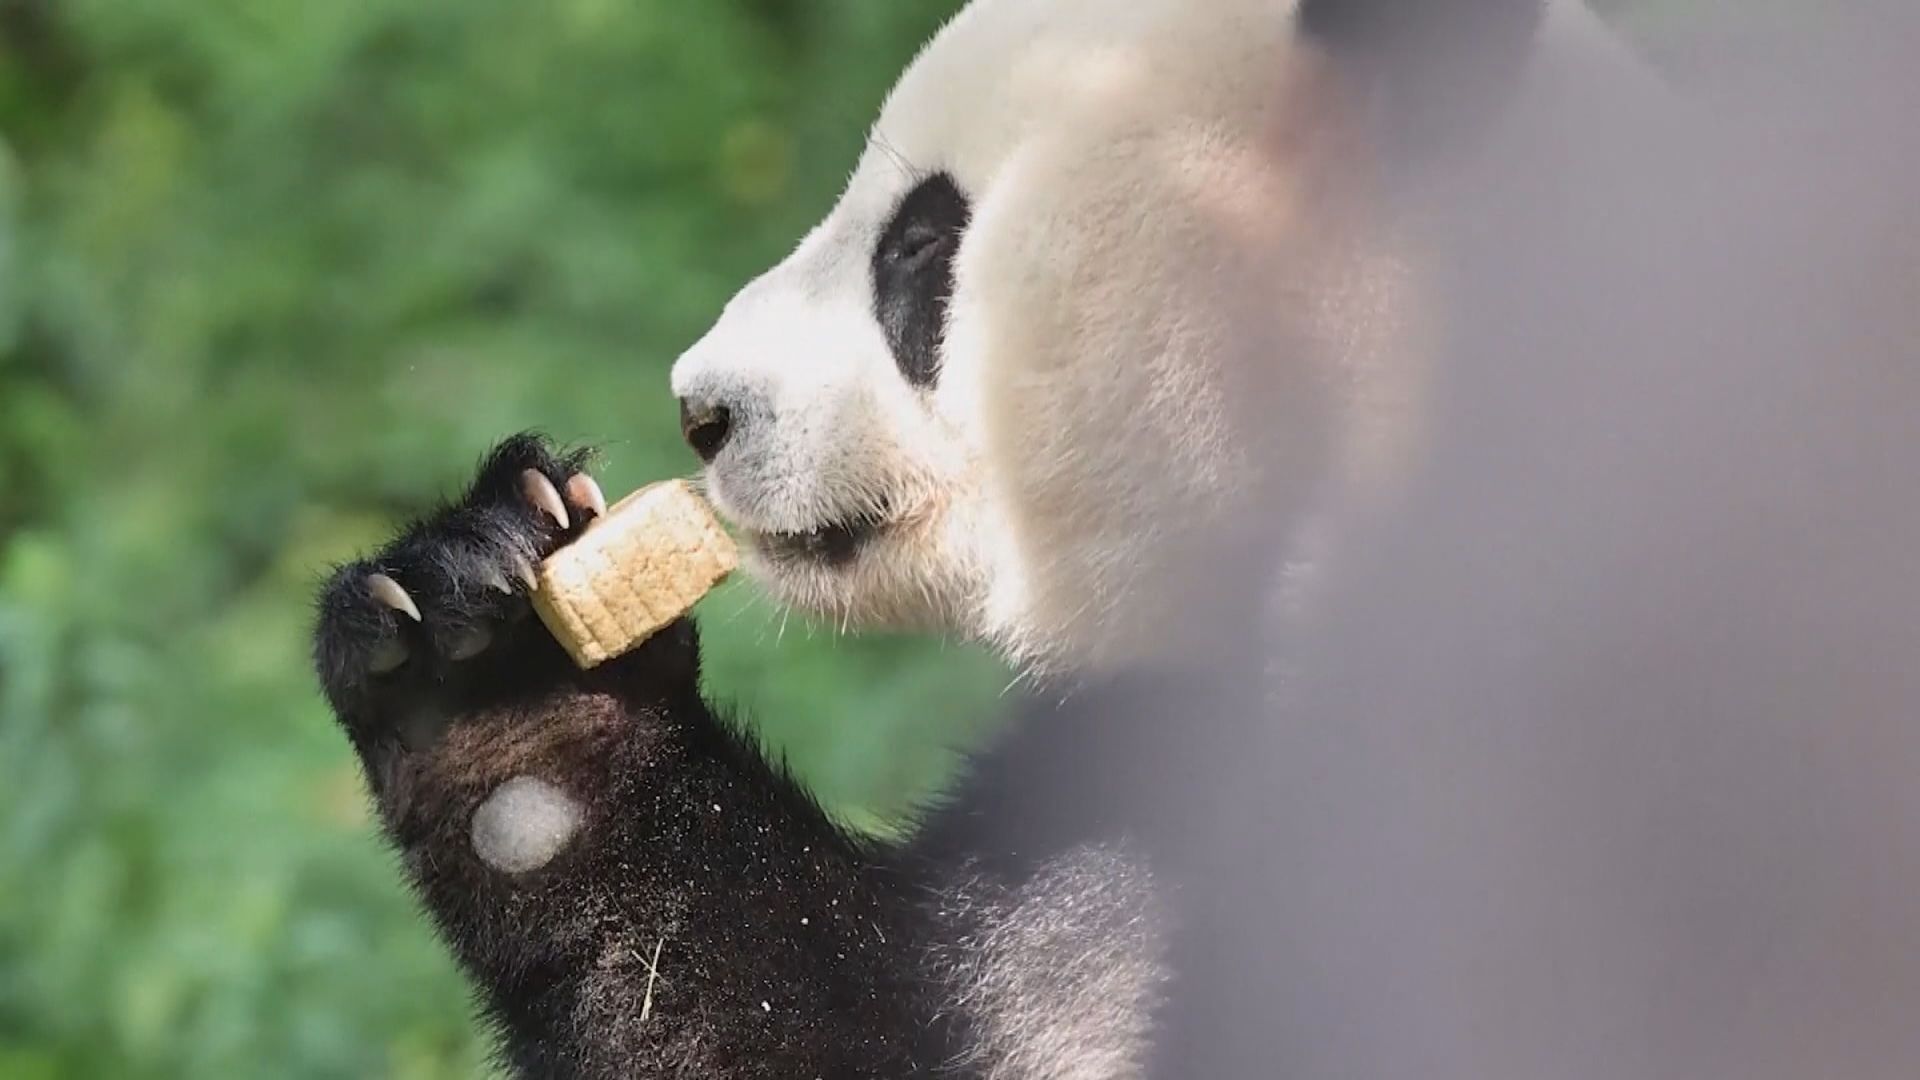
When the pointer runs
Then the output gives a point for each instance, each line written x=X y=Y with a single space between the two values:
x=1102 y=308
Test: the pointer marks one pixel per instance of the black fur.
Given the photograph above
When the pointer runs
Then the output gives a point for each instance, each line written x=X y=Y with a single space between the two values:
x=913 y=274
x=1106 y=761
x=784 y=948
x=1158 y=759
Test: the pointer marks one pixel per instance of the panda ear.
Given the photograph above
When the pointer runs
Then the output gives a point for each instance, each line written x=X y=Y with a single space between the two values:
x=1440 y=68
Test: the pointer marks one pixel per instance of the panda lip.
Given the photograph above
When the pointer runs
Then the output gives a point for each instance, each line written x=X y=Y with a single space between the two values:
x=834 y=544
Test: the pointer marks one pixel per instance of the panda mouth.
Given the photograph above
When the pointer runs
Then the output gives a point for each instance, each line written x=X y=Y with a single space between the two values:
x=834 y=544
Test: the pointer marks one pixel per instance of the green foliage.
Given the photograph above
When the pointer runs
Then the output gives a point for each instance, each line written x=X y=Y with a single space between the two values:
x=272 y=275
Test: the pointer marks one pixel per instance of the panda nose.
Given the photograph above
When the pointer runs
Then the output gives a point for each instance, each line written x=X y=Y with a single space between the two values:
x=706 y=426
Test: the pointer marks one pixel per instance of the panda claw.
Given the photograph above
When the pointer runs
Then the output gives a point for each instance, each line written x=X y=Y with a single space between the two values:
x=544 y=496
x=497 y=581
x=388 y=591
x=470 y=644
x=523 y=569
x=388 y=657
x=582 y=491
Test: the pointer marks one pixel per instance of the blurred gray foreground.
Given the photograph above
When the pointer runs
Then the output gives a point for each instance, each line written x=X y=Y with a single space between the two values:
x=1600 y=759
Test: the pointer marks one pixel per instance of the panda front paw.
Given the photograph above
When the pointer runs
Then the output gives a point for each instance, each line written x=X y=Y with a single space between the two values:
x=444 y=604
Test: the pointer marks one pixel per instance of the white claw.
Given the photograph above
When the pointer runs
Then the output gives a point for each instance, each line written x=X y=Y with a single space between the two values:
x=583 y=491
x=470 y=644
x=544 y=496
x=388 y=657
x=388 y=591
x=497 y=581
x=524 y=570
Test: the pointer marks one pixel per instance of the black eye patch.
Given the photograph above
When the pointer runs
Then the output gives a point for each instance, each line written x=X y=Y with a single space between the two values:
x=913 y=274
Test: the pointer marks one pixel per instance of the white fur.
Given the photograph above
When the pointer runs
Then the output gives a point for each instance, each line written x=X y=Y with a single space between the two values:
x=1118 y=384
x=524 y=824
x=1185 y=321
x=1062 y=979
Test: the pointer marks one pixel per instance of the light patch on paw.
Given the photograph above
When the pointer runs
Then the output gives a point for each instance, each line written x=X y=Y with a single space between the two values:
x=523 y=825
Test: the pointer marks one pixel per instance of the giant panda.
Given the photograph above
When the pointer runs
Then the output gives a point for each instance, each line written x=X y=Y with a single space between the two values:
x=1123 y=311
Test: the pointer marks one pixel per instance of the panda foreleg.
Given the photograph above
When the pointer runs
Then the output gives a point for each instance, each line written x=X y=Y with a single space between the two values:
x=633 y=888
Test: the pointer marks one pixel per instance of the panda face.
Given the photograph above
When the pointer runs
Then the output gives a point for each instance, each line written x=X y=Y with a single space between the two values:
x=829 y=445
x=839 y=438
x=1065 y=323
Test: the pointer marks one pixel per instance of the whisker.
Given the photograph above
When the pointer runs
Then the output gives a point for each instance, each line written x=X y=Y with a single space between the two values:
x=894 y=155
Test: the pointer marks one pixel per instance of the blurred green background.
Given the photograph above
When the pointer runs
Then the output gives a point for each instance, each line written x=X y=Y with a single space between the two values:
x=273 y=274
